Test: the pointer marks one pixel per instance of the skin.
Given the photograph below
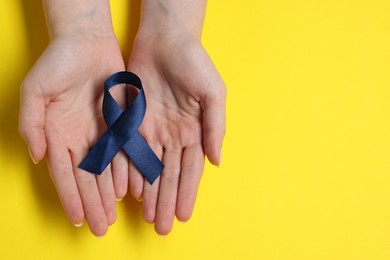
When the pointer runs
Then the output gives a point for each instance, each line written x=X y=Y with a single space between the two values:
x=60 y=114
x=185 y=118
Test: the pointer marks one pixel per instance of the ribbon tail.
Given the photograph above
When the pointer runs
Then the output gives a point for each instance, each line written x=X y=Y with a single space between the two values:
x=101 y=154
x=143 y=157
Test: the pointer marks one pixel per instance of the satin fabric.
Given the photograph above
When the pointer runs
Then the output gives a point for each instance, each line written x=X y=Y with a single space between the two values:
x=122 y=132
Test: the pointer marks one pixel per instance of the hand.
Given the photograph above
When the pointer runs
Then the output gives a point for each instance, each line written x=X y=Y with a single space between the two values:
x=61 y=117
x=185 y=119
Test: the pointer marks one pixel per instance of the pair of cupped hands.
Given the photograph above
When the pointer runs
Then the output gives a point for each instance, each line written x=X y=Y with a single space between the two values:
x=61 y=118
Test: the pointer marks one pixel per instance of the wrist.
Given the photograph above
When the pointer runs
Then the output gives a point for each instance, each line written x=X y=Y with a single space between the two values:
x=172 y=17
x=73 y=17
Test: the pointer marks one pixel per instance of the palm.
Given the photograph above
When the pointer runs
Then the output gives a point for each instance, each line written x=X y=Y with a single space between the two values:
x=73 y=111
x=178 y=76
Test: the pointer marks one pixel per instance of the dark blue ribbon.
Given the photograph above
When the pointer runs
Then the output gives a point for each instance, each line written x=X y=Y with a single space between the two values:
x=123 y=132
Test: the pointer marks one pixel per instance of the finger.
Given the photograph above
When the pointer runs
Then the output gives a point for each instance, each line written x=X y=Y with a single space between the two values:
x=32 y=120
x=168 y=191
x=120 y=174
x=214 y=123
x=191 y=173
x=107 y=194
x=61 y=172
x=90 y=196
x=150 y=192
x=136 y=181
x=120 y=162
x=150 y=197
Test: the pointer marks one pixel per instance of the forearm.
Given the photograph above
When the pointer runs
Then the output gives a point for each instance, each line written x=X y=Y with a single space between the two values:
x=66 y=17
x=182 y=16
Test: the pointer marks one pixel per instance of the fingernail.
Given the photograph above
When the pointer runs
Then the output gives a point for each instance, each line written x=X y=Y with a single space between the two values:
x=181 y=222
x=32 y=158
x=79 y=224
x=162 y=235
x=119 y=199
x=139 y=199
x=99 y=237
x=220 y=158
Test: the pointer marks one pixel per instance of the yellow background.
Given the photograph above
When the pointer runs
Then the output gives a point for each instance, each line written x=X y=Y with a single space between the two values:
x=306 y=160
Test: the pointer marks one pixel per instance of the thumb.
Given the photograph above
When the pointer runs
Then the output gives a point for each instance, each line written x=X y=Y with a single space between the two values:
x=32 y=120
x=214 y=123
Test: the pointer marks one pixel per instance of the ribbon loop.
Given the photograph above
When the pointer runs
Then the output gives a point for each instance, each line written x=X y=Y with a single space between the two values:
x=123 y=132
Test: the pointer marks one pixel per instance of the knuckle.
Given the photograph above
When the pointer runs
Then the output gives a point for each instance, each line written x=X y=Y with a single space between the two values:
x=192 y=168
x=171 y=177
x=60 y=171
x=86 y=178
